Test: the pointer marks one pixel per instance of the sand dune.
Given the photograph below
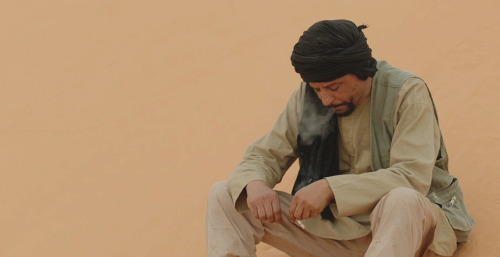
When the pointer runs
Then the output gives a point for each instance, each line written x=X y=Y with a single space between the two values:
x=117 y=116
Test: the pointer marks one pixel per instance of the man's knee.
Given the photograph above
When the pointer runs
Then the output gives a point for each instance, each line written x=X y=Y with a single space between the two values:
x=219 y=193
x=404 y=201
x=405 y=204
x=402 y=195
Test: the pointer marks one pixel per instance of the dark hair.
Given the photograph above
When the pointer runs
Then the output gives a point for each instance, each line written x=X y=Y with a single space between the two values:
x=330 y=49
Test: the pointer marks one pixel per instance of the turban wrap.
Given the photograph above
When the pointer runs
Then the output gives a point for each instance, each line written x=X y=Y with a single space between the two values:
x=331 y=49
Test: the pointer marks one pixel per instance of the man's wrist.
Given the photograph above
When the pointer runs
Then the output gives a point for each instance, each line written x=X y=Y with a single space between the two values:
x=255 y=183
x=331 y=195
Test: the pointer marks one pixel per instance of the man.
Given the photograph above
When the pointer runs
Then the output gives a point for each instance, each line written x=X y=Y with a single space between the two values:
x=373 y=178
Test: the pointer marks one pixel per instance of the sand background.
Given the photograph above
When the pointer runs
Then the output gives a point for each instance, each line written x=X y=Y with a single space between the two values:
x=116 y=117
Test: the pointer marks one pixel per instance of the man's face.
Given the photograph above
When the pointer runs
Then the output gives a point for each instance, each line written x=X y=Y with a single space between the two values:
x=342 y=94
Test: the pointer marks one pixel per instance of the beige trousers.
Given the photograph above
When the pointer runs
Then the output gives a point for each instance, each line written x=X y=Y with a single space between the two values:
x=400 y=227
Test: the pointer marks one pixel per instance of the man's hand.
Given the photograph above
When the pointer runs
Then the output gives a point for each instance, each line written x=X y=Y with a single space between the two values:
x=263 y=202
x=310 y=200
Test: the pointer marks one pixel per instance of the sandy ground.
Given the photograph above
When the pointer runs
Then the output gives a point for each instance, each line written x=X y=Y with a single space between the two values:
x=117 y=116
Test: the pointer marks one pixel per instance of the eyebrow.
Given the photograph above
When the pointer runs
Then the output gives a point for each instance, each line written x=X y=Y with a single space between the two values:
x=332 y=84
x=327 y=85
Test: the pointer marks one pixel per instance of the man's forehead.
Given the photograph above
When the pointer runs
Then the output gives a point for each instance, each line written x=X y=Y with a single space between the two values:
x=325 y=84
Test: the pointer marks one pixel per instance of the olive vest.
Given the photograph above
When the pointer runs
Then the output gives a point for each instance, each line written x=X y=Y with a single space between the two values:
x=444 y=189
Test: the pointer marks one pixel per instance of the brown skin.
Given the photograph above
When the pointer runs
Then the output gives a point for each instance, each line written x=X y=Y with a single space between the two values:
x=346 y=89
x=263 y=202
x=310 y=200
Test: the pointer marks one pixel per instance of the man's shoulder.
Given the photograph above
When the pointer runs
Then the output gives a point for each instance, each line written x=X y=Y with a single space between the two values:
x=390 y=76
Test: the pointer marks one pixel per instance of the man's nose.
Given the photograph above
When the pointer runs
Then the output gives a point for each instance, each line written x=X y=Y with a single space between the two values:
x=326 y=99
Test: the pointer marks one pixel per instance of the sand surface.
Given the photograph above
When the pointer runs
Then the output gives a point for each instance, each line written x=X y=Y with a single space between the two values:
x=116 y=117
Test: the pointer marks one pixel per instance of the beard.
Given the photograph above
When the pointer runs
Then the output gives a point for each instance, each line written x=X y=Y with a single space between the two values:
x=350 y=109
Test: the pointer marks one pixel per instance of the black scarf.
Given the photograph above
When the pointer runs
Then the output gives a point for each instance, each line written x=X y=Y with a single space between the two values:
x=317 y=144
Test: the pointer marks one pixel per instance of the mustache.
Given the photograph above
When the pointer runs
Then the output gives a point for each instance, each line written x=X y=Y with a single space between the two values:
x=338 y=105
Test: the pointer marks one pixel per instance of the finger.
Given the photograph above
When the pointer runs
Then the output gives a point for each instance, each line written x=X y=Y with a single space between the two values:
x=298 y=212
x=306 y=214
x=277 y=210
x=254 y=212
x=269 y=211
x=262 y=213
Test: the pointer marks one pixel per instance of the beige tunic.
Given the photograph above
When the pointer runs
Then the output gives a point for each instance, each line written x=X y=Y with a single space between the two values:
x=355 y=157
x=414 y=149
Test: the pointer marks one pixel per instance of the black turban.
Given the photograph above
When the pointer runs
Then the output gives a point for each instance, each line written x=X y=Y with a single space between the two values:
x=331 y=49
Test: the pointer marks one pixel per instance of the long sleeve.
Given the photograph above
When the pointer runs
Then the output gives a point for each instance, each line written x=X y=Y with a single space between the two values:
x=269 y=157
x=414 y=148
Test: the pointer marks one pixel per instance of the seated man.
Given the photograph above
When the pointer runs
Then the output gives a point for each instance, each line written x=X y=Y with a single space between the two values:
x=373 y=178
